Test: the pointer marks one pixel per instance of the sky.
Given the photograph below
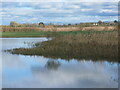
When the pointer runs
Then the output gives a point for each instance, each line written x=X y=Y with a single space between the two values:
x=58 y=12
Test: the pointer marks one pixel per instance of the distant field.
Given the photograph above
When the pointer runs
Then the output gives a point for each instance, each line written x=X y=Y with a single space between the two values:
x=24 y=34
x=71 y=28
x=46 y=33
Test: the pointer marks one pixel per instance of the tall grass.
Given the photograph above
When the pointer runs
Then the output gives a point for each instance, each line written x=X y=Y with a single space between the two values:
x=91 y=46
x=20 y=29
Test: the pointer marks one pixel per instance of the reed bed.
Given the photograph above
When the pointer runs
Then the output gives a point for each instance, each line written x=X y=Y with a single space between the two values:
x=19 y=29
x=91 y=46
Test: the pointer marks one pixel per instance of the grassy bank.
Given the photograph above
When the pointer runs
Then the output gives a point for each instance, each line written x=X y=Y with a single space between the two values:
x=46 y=33
x=89 y=46
x=25 y=34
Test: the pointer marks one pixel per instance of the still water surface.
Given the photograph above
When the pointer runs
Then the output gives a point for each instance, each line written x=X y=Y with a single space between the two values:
x=21 y=71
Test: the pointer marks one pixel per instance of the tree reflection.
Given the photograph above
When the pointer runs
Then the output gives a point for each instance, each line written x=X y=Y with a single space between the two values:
x=52 y=64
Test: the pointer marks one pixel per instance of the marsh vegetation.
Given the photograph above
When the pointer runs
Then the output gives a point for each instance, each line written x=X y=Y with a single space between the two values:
x=88 y=46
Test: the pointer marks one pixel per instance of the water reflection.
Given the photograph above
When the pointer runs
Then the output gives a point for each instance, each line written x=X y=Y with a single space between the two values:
x=21 y=71
x=52 y=64
x=77 y=74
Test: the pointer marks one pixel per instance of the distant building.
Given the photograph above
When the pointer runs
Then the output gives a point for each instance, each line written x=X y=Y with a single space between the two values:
x=95 y=24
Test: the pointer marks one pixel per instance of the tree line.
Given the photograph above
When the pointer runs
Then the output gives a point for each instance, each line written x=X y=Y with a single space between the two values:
x=15 y=24
x=41 y=24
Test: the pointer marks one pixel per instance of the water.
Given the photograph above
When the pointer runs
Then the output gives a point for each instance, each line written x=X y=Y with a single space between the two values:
x=21 y=71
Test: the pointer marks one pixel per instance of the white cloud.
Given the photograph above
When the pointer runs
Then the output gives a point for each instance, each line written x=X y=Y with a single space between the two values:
x=65 y=12
x=72 y=6
x=60 y=0
x=46 y=6
x=86 y=9
x=108 y=11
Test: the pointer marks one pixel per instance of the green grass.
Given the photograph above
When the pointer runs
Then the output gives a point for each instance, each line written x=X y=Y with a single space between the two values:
x=47 y=33
x=25 y=34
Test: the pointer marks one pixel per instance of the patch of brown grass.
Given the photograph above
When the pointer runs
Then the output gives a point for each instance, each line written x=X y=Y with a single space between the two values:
x=75 y=28
x=102 y=46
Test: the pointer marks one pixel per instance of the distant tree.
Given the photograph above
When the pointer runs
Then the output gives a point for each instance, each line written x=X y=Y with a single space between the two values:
x=26 y=25
x=13 y=24
x=100 y=22
x=50 y=24
x=34 y=25
x=20 y=25
x=41 y=24
x=115 y=21
x=69 y=24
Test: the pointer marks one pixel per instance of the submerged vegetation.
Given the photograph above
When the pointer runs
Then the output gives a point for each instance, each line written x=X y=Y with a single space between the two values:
x=89 y=46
